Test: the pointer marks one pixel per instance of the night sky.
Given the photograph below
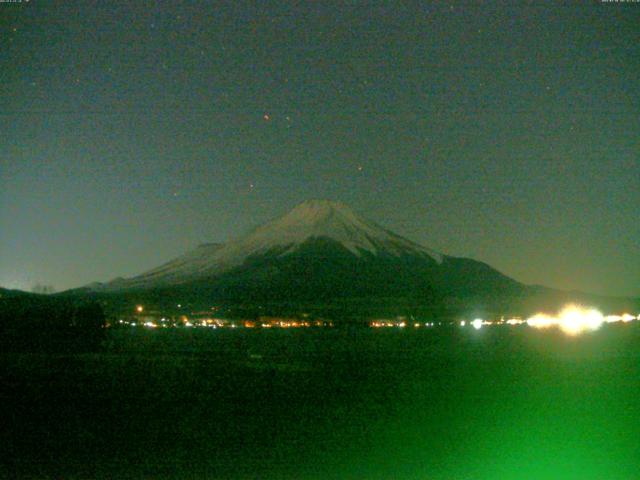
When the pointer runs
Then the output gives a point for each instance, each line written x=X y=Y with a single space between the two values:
x=132 y=131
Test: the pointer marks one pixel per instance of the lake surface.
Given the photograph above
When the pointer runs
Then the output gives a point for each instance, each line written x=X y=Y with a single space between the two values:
x=443 y=403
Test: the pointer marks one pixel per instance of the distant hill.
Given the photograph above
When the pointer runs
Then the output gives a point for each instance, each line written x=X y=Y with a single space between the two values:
x=8 y=293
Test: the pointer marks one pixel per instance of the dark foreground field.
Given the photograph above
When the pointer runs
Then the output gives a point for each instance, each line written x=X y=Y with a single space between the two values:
x=499 y=403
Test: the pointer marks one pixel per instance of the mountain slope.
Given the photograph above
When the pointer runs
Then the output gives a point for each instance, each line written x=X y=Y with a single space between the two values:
x=323 y=254
x=312 y=219
x=321 y=251
x=322 y=269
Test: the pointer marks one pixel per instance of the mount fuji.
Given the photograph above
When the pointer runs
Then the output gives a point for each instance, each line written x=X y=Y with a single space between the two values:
x=321 y=251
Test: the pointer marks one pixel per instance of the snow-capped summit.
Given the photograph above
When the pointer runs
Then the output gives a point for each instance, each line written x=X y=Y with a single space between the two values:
x=310 y=220
x=333 y=220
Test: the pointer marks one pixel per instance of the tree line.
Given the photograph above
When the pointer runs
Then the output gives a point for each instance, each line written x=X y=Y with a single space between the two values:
x=46 y=323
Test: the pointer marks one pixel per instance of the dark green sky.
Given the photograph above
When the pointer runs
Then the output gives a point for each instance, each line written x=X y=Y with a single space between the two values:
x=508 y=132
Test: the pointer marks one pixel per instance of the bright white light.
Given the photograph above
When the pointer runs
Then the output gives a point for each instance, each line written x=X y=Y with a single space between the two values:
x=477 y=323
x=463 y=323
x=625 y=317
x=572 y=320
x=541 y=320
